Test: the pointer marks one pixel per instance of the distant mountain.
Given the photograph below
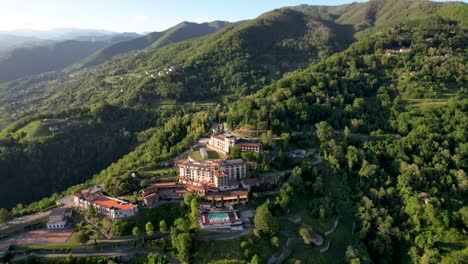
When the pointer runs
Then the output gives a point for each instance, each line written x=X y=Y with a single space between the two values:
x=8 y=42
x=180 y=32
x=59 y=33
x=27 y=61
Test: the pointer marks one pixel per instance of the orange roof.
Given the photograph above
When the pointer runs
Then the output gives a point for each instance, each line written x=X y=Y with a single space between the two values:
x=220 y=174
x=165 y=184
x=111 y=203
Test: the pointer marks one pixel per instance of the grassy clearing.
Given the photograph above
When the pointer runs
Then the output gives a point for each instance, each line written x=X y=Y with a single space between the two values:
x=167 y=212
x=441 y=99
x=222 y=251
x=62 y=246
x=212 y=155
x=162 y=174
x=32 y=130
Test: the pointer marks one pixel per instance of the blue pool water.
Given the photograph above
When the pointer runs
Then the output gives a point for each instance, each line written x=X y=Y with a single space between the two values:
x=214 y=217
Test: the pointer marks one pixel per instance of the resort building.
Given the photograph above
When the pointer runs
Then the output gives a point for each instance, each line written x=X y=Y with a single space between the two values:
x=218 y=175
x=250 y=182
x=249 y=147
x=162 y=190
x=108 y=206
x=223 y=143
x=151 y=199
x=227 y=198
x=58 y=218
x=220 y=220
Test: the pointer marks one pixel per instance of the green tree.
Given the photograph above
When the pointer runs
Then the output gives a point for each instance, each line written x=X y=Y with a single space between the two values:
x=305 y=234
x=285 y=138
x=194 y=208
x=162 y=226
x=5 y=215
x=267 y=139
x=135 y=231
x=152 y=258
x=264 y=220
x=275 y=242
x=255 y=260
x=91 y=211
x=324 y=131
x=82 y=236
x=181 y=239
x=235 y=152
x=149 y=229
x=188 y=199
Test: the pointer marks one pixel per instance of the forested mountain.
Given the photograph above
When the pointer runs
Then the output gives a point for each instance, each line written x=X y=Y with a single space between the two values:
x=382 y=97
x=233 y=61
x=9 y=41
x=33 y=60
x=180 y=32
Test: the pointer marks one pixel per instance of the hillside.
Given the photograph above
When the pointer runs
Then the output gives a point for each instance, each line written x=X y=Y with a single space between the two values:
x=392 y=113
x=231 y=62
x=242 y=61
x=23 y=62
x=376 y=90
x=180 y=32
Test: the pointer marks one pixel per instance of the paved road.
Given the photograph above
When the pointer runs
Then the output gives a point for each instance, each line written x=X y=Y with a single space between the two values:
x=24 y=220
x=126 y=253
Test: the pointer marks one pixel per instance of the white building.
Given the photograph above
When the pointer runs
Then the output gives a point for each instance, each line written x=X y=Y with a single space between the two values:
x=108 y=206
x=223 y=143
x=58 y=218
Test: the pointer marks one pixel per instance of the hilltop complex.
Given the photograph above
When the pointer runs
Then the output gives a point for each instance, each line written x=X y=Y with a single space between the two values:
x=216 y=175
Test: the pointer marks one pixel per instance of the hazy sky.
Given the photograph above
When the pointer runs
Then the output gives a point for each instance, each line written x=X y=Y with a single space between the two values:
x=133 y=15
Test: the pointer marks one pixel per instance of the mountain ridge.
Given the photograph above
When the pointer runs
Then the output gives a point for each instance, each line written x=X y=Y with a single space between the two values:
x=182 y=31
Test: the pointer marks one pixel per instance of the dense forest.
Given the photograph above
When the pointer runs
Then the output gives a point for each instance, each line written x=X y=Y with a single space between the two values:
x=384 y=101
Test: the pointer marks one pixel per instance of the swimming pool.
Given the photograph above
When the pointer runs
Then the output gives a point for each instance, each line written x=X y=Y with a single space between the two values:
x=218 y=217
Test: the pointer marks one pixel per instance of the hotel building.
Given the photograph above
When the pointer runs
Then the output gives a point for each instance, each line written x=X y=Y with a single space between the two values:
x=218 y=175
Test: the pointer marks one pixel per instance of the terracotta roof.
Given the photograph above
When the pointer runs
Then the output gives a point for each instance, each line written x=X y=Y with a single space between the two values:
x=220 y=174
x=151 y=195
x=165 y=184
x=111 y=203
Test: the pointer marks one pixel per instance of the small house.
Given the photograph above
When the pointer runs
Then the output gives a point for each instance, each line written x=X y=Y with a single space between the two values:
x=58 y=218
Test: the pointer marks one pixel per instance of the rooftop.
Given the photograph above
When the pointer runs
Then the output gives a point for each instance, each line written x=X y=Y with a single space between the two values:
x=165 y=184
x=59 y=211
x=113 y=203
x=108 y=202
x=222 y=137
x=228 y=194
x=250 y=181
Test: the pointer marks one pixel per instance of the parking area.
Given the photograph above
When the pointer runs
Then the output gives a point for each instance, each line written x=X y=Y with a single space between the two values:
x=39 y=236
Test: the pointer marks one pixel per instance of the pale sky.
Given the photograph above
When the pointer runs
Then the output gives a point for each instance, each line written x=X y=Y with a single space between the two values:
x=133 y=15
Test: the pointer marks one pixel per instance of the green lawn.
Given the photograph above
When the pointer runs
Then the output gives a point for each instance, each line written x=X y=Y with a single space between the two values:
x=218 y=252
x=32 y=130
x=162 y=174
x=167 y=212
x=212 y=155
